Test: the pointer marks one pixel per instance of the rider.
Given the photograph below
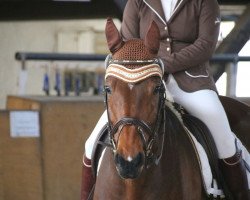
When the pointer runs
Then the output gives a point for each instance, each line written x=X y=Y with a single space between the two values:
x=189 y=32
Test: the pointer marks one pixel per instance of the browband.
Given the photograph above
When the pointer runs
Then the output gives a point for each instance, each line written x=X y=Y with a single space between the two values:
x=116 y=68
x=109 y=60
x=133 y=75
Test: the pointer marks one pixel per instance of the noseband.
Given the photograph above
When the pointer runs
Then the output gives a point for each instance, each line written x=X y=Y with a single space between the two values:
x=149 y=68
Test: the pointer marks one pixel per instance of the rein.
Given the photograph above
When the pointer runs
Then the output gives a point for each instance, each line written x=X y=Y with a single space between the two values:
x=153 y=67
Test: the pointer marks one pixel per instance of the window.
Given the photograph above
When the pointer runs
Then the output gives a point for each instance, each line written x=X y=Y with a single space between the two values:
x=243 y=70
x=243 y=74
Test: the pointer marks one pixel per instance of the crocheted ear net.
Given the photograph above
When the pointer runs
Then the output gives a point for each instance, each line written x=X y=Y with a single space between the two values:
x=133 y=50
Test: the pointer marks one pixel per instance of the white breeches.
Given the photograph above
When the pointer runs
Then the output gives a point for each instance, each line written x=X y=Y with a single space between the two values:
x=203 y=104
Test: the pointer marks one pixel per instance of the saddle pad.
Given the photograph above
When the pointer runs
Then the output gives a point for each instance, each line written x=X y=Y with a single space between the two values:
x=210 y=182
x=101 y=143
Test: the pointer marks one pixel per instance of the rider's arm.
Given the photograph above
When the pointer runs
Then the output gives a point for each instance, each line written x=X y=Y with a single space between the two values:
x=203 y=47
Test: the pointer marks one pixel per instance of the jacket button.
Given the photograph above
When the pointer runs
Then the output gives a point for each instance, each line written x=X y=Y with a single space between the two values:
x=168 y=39
x=168 y=49
x=166 y=28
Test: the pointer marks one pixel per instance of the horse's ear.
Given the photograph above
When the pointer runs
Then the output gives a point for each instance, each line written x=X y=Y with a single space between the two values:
x=113 y=36
x=152 y=39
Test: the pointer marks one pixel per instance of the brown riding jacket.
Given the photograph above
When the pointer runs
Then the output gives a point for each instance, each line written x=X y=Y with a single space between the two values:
x=188 y=38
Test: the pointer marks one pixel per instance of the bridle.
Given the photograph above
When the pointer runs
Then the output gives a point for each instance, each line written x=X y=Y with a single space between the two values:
x=142 y=127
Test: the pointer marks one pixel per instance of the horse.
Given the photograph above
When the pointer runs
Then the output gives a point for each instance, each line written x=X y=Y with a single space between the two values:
x=151 y=155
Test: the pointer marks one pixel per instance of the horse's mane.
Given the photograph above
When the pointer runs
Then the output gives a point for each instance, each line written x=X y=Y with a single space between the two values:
x=173 y=120
x=175 y=130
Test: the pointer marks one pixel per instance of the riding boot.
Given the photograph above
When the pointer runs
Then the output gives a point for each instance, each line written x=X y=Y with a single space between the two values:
x=234 y=172
x=87 y=179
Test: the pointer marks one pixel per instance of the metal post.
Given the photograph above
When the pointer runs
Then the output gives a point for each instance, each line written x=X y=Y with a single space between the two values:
x=22 y=76
x=231 y=70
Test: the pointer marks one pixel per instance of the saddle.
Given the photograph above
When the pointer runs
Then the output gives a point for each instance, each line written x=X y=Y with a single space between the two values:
x=202 y=134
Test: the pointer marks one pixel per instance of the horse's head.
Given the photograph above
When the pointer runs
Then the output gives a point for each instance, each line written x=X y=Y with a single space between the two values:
x=135 y=99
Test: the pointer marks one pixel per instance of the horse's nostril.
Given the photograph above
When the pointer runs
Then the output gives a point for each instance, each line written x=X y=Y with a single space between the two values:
x=119 y=160
x=138 y=161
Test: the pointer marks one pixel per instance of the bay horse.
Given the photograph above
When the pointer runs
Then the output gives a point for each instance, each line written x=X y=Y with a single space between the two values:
x=151 y=157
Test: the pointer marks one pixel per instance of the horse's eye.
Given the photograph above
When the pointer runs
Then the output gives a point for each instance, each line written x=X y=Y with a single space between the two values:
x=107 y=89
x=159 y=89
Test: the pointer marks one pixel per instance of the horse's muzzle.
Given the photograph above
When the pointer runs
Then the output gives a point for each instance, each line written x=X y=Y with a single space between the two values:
x=130 y=169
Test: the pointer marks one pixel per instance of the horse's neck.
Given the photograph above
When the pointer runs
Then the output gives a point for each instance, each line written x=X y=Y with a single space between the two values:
x=180 y=163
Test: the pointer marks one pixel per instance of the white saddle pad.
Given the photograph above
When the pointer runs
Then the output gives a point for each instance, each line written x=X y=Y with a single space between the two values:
x=210 y=183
